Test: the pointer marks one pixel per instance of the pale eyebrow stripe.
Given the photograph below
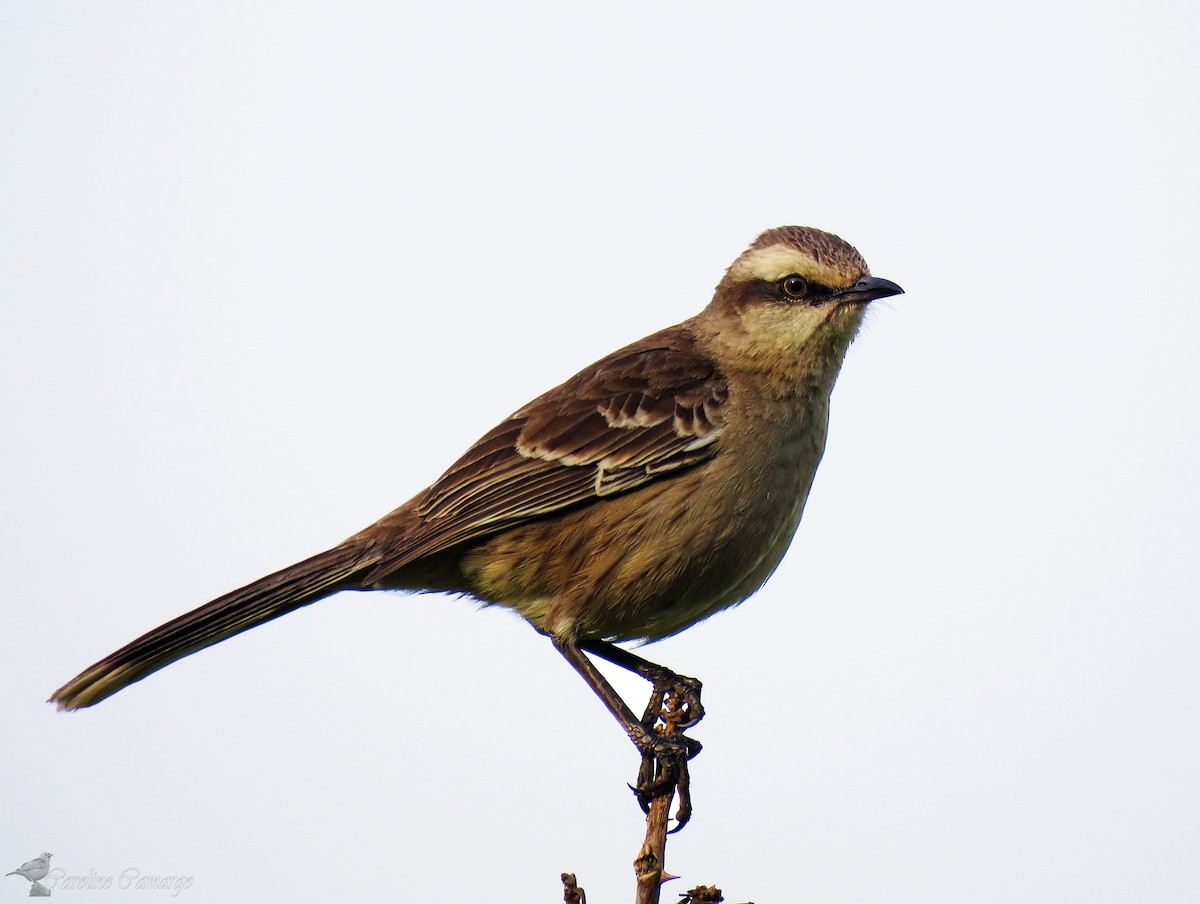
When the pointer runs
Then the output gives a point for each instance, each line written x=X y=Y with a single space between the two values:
x=778 y=261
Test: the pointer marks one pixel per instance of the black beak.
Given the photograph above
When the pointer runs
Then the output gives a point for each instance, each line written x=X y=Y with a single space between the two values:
x=868 y=290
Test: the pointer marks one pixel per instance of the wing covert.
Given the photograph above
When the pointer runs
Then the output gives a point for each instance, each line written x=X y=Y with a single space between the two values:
x=638 y=415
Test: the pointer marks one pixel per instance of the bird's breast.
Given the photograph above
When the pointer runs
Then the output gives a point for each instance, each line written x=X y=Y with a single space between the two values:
x=651 y=562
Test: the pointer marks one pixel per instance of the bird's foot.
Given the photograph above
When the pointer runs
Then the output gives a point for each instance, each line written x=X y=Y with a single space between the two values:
x=664 y=771
x=675 y=702
x=674 y=706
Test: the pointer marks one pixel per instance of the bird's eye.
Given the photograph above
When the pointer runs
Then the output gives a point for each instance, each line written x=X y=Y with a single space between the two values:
x=794 y=287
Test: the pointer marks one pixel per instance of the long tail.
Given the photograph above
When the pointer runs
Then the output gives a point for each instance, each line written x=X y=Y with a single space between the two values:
x=267 y=598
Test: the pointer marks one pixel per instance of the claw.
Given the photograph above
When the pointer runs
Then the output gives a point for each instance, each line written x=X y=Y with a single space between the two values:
x=664 y=779
x=644 y=779
x=684 y=813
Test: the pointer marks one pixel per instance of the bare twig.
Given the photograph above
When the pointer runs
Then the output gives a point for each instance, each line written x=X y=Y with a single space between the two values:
x=572 y=893
x=650 y=859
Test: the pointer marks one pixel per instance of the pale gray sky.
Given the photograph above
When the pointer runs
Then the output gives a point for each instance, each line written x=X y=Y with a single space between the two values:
x=266 y=269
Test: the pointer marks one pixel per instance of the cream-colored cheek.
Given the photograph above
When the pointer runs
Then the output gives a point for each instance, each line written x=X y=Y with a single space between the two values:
x=767 y=336
x=783 y=338
x=781 y=328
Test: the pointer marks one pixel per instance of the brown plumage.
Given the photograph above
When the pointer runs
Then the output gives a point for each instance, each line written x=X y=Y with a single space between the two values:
x=655 y=487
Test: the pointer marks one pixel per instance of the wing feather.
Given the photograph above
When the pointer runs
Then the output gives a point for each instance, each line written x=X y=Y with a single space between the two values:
x=647 y=411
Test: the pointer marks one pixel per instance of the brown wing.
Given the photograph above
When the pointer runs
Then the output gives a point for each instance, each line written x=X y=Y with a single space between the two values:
x=638 y=415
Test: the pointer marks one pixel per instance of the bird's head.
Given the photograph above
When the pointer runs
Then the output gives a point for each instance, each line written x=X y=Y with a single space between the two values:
x=791 y=303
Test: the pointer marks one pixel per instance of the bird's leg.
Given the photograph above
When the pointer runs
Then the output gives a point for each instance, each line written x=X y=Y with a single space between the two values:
x=675 y=701
x=662 y=678
x=643 y=737
x=664 y=754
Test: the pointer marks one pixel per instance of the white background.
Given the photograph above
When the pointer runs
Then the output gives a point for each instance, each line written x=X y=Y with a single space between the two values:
x=266 y=269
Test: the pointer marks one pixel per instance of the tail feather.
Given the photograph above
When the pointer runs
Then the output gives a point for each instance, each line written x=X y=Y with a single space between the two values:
x=267 y=598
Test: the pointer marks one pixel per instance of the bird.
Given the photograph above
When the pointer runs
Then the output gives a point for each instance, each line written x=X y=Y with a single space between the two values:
x=654 y=488
x=34 y=870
